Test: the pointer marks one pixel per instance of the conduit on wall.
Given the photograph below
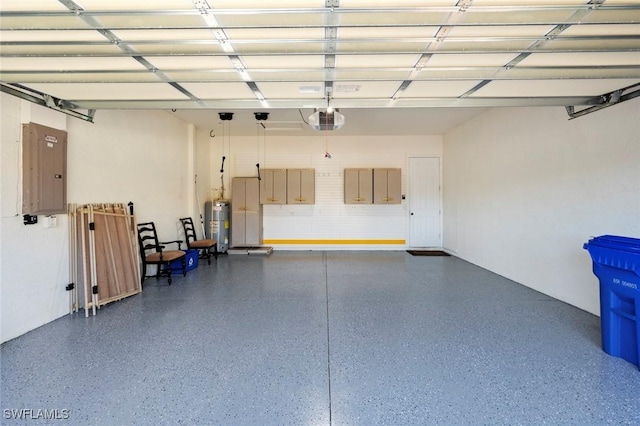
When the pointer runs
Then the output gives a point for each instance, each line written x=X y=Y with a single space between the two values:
x=105 y=250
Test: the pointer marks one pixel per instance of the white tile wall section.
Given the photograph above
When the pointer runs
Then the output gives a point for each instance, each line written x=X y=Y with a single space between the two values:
x=282 y=161
x=244 y=165
x=329 y=223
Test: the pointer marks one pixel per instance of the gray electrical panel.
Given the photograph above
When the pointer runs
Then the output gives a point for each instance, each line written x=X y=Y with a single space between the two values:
x=44 y=170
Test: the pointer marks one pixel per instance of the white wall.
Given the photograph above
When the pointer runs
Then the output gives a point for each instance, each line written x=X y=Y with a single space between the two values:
x=524 y=188
x=34 y=265
x=140 y=156
x=329 y=218
x=108 y=161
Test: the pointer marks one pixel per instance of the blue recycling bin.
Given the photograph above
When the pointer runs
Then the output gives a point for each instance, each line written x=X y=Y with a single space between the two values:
x=191 y=260
x=616 y=263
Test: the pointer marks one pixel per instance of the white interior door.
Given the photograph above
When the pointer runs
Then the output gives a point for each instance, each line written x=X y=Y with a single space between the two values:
x=424 y=202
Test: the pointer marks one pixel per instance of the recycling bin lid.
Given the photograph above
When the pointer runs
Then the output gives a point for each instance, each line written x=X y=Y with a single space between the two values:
x=615 y=242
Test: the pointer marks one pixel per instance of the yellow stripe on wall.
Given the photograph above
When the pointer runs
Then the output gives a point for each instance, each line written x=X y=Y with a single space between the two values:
x=279 y=241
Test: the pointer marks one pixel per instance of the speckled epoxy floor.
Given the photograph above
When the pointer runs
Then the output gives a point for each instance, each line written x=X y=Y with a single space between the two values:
x=319 y=338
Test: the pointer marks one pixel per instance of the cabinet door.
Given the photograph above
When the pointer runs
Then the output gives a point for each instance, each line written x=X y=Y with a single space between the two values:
x=358 y=186
x=379 y=186
x=238 y=194
x=386 y=186
x=365 y=182
x=273 y=186
x=280 y=186
x=238 y=209
x=253 y=228
x=394 y=186
x=246 y=213
x=238 y=228
x=308 y=186
x=301 y=186
x=253 y=212
x=350 y=186
x=252 y=194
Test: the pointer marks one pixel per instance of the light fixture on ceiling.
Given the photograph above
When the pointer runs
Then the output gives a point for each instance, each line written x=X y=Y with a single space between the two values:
x=226 y=116
x=326 y=120
x=261 y=116
x=329 y=119
x=309 y=89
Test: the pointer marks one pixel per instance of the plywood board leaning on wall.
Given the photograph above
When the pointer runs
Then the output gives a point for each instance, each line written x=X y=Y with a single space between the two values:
x=107 y=267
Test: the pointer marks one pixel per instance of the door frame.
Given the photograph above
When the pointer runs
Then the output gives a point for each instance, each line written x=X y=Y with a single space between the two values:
x=440 y=200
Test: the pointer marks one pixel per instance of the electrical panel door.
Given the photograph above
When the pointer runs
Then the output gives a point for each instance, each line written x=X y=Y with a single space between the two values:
x=44 y=163
x=301 y=186
x=387 y=186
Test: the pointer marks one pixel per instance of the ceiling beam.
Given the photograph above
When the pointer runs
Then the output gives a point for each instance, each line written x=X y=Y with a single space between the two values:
x=331 y=42
x=432 y=46
x=497 y=9
x=444 y=102
x=343 y=75
x=7 y=53
x=484 y=23
x=551 y=35
x=121 y=45
x=329 y=47
x=221 y=38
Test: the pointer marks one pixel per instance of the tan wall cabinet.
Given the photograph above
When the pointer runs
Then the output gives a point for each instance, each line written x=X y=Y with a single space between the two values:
x=301 y=186
x=273 y=186
x=387 y=186
x=246 y=212
x=358 y=186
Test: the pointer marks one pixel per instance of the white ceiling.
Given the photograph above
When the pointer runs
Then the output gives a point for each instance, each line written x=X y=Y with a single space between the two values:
x=428 y=64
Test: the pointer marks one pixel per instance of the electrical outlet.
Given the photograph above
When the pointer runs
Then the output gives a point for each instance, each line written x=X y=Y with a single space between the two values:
x=50 y=221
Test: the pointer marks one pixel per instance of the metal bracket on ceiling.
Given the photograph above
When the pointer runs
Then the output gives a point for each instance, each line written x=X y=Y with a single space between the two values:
x=595 y=4
x=464 y=5
x=605 y=101
x=330 y=37
x=439 y=36
x=46 y=100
